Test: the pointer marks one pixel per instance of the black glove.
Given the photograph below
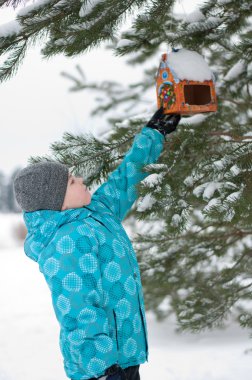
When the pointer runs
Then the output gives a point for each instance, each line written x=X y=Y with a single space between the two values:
x=115 y=372
x=164 y=123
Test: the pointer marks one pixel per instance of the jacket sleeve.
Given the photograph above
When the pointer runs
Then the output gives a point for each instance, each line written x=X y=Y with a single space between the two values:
x=119 y=192
x=87 y=340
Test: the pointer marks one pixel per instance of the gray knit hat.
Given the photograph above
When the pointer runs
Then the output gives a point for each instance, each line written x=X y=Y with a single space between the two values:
x=41 y=186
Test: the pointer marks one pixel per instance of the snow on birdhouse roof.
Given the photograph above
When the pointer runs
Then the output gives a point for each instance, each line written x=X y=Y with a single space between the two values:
x=189 y=65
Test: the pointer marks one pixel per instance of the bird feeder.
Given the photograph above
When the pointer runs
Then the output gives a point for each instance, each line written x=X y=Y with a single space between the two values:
x=185 y=84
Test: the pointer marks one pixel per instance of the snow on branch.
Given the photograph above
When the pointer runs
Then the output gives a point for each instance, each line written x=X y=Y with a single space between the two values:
x=10 y=28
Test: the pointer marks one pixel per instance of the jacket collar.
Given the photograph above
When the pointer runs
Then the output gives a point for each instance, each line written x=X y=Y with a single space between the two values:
x=43 y=224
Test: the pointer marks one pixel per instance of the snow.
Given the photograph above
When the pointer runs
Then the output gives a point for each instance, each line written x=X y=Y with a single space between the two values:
x=248 y=135
x=14 y=27
x=189 y=65
x=29 y=8
x=8 y=223
x=235 y=170
x=195 y=16
x=146 y=227
x=249 y=68
x=212 y=203
x=214 y=20
x=235 y=71
x=193 y=120
x=182 y=203
x=176 y=219
x=10 y=28
x=219 y=164
x=153 y=179
x=123 y=43
x=145 y=203
x=208 y=189
x=233 y=197
x=29 y=331
x=189 y=181
x=124 y=124
x=88 y=6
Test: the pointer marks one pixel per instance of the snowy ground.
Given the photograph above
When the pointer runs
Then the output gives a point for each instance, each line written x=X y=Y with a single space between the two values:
x=29 y=332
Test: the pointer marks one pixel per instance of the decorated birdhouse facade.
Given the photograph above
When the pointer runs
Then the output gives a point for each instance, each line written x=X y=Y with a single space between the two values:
x=185 y=84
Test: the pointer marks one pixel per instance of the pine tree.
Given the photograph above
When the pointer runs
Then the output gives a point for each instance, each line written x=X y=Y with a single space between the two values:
x=11 y=203
x=7 y=199
x=193 y=218
x=2 y=192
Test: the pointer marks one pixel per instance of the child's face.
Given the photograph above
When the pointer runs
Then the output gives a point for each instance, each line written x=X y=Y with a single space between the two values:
x=77 y=194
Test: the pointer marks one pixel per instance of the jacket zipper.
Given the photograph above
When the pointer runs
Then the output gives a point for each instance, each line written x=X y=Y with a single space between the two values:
x=117 y=343
x=145 y=330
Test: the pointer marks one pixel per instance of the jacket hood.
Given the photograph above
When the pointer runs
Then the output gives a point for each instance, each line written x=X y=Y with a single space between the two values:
x=43 y=224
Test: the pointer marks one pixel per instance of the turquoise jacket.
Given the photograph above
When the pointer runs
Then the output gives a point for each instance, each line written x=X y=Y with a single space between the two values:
x=92 y=271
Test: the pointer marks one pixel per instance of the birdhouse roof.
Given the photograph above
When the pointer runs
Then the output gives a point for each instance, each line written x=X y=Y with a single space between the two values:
x=188 y=65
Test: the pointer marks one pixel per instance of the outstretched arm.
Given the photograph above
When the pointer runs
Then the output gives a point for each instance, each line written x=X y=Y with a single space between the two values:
x=119 y=192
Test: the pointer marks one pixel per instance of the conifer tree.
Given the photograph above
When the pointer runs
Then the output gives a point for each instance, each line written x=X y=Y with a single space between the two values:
x=193 y=218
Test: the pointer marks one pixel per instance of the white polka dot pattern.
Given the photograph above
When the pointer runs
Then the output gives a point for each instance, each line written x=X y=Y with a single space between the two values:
x=72 y=282
x=96 y=366
x=93 y=298
x=84 y=230
x=101 y=237
x=51 y=267
x=47 y=227
x=124 y=308
x=87 y=316
x=77 y=336
x=103 y=344
x=131 y=193
x=88 y=263
x=130 y=347
x=132 y=169
x=65 y=245
x=130 y=286
x=63 y=304
x=112 y=272
x=118 y=248
x=137 y=323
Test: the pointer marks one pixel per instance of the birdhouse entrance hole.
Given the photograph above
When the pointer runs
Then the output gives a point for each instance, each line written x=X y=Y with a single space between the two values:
x=197 y=94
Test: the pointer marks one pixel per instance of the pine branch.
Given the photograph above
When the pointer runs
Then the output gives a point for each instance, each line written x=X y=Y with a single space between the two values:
x=13 y=3
x=70 y=32
x=99 y=158
x=234 y=138
x=10 y=66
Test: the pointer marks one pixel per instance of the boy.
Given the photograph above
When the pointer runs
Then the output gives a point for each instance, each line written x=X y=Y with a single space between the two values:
x=87 y=258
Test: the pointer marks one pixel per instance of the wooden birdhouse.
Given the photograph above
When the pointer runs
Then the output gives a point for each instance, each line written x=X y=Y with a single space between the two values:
x=185 y=84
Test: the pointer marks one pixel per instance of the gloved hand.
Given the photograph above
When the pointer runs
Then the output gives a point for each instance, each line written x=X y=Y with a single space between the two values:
x=164 y=123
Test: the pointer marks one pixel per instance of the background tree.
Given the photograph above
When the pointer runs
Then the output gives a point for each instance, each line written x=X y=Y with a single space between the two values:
x=7 y=199
x=2 y=191
x=11 y=203
x=194 y=213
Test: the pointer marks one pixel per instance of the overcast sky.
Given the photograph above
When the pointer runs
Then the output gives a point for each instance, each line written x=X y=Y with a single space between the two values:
x=37 y=107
